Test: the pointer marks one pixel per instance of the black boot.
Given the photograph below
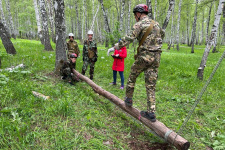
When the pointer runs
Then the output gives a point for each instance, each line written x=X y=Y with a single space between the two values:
x=149 y=115
x=128 y=102
x=83 y=72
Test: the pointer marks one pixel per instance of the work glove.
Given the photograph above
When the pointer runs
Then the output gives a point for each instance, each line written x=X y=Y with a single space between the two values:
x=110 y=50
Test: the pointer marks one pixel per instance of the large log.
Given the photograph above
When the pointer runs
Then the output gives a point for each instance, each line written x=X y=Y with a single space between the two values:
x=159 y=128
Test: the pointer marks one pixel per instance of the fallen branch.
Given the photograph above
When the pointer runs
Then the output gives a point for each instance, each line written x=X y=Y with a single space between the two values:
x=39 y=95
x=159 y=128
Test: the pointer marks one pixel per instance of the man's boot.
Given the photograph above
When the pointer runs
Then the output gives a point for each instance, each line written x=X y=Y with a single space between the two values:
x=149 y=115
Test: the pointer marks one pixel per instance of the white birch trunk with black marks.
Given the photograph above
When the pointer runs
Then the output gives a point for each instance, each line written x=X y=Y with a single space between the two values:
x=121 y=15
x=149 y=4
x=170 y=9
x=211 y=40
x=223 y=23
x=107 y=29
x=193 y=34
x=172 y=33
x=85 y=13
x=11 y=24
x=51 y=19
x=207 y=28
x=178 y=26
x=78 y=21
x=38 y=21
x=44 y=16
x=3 y=19
x=187 y=38
x=202 y=35
x=94 y=17
x=128 y=17
x=6 y=40
x=60 y=34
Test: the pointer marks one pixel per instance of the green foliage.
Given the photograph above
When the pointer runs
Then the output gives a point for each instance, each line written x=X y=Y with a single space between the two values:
x=75 y=117
x=114 y=36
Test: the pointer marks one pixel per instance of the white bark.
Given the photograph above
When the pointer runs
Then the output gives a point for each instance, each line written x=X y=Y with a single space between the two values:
x=85 y=13
x=60 y=33
x=193 y=34
x=149 y=4
x=51 y=18
x=128 y=18
x=211 y=40
x=11 y=25
x=178 y=26
x=38 y=21
x=44 y=16
x=93 y=21
x=155 y=10
x=3 y=19
x=121 y=15
x=79 y=30
x=107 y=29
x=170 y=9
x=207 y=28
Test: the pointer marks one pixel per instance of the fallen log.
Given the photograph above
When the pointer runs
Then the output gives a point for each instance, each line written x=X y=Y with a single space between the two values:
x=159 y=128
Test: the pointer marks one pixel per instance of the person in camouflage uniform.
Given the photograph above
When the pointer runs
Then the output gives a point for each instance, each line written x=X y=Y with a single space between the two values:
x=66 y=70
x=72 y=47
x=89 y=54
x=147 y=60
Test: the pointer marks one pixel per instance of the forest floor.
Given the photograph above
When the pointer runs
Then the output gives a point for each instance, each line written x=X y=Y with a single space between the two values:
x=75 y=117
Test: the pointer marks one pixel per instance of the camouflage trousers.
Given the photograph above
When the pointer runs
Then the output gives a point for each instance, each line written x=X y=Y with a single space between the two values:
x=69 y=76
x=92 y=67
x=149 y=63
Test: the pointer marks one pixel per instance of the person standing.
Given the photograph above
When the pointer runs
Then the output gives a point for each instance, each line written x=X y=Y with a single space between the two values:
x=118 y=65
x=147 y=59
x=72 y=47
x=89 y=54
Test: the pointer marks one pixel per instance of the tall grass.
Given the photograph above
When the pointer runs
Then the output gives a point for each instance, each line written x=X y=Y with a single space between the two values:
x=77 y=118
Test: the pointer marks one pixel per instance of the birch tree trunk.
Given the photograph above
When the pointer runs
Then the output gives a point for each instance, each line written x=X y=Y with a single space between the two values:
x=78 y=21
x=202 y=36
x=207 y=28
x=107 y=29
x=187 y=25
x=211 y=40
x=171 y=35
x=223 y=23
x=44 y=16
x=149 y=4
x=178 y=26
x=170 y=9
x=121 y=15
x=3 y=19
x=6 y=40
x=60 y=34
x=38 y=21
x=193 y=34
x=85 y=13
x=11 y=25
x=51 y=19
x=93 y=21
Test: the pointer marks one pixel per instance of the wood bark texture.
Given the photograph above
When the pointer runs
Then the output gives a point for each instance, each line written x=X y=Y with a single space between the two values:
x=6 y=40
x=170 y=9
x=211 y=39
x=44 y=16
x=159 y=128
x=60 y=34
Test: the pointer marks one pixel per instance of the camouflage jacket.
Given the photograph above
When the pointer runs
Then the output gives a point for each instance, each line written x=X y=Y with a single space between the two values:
x=153 y=41
x=67 y=68
x=73 y=47
x=90 y=50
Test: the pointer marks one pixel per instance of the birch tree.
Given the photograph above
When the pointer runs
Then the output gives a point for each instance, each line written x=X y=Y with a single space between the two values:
x=11 y=25
x=170 y=9
x=178 y=25
x=121 y=15
x=6 y=40
x=208 y=21
x=3 y=18
x=60 y=34
x=193 y=34
x=38 y=21
x=78 y=21
x=149 y=4
x=211 y=39
x=107 y=29
x=44 y=16
x=51 y=19
x=187 y=37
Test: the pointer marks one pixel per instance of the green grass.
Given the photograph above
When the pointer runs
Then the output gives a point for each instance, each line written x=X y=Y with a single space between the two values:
x=75 y=117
